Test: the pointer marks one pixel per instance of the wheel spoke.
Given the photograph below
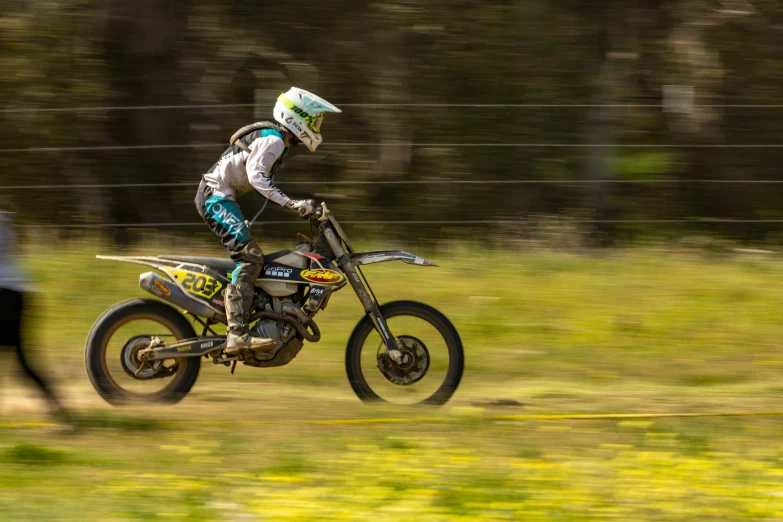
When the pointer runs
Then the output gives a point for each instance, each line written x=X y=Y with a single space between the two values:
x=141 y=378
x=431 y=365
x=122 y=332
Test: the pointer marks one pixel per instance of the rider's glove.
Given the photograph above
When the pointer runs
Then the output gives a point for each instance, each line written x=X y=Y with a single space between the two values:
x=305 y=207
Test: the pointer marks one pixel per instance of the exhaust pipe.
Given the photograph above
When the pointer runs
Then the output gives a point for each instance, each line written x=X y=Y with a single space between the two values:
x=171 y=292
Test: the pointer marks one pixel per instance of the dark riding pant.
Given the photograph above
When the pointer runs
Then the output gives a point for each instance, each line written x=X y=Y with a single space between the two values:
x=225 y=220
x=11 y=314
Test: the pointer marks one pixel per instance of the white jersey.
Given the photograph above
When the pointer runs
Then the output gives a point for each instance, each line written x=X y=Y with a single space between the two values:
x=237 y=172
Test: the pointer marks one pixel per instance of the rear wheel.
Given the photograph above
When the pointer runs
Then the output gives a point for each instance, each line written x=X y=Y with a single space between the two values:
x=433 y=358
x=120 y=334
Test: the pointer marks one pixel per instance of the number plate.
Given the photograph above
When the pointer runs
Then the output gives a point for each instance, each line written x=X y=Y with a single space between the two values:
x=196 y=283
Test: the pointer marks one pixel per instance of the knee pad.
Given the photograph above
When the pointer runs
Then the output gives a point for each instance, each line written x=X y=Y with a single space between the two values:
x=249 y=264
x=251 y=253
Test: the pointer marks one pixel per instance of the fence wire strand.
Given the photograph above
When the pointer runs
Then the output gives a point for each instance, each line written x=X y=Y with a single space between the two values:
x=705 y=221
x=67 y=186
x=210 y=106
x=411 y=144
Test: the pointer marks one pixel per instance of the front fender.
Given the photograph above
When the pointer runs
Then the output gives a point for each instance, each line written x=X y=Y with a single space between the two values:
x=381 y=256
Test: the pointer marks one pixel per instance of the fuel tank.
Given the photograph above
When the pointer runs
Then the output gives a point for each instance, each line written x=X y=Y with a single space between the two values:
x=282 y=276
x=276 y=277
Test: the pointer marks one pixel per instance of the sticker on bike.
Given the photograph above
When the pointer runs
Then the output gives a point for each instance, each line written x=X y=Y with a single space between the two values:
x=196 y=283
x=322 y=276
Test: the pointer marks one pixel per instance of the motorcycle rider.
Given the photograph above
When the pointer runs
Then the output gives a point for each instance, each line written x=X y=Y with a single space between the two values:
x=256 y=153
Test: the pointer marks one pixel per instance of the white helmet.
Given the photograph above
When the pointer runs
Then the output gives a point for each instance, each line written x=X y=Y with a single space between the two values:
x=302 y=113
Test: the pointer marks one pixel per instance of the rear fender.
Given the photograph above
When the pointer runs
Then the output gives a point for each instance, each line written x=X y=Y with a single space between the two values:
x=381 y=256
x=169 y=289
x=172 y=292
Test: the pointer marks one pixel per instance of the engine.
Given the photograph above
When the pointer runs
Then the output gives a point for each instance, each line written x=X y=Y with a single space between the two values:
x=271 y=329
x=282 y=333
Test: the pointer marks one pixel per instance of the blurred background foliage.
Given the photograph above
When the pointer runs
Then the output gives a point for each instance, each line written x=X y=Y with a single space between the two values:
x=615 y=120
x=620 y=91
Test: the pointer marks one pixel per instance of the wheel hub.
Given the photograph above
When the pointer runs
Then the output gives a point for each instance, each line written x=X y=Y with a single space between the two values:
x=415 y=362
x=133 y=365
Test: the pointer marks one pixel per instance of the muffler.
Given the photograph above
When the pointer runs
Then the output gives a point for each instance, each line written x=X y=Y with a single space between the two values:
x=171 y=292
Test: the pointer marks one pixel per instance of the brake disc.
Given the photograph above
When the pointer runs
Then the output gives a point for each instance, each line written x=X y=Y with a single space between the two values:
x=129 y=357
x=414 y=365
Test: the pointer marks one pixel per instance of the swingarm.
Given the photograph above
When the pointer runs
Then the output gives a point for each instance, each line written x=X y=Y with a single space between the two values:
x=187 y=348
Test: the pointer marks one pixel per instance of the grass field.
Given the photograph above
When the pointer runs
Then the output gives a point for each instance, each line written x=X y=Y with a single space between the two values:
x=545 y=333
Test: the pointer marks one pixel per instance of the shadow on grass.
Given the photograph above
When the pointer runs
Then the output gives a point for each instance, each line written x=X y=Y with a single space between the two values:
x=713 y=379
x=32 y=454
x=103 y=420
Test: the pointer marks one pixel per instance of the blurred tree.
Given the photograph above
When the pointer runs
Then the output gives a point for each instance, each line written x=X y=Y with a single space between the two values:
x=444 y=91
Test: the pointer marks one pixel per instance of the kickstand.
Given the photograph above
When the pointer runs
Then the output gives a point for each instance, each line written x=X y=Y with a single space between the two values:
x=233 y=367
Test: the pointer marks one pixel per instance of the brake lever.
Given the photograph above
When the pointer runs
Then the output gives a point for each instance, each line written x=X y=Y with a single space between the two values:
x=321 y=213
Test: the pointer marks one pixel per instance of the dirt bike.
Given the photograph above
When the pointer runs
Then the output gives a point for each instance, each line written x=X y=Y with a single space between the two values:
x=146 y=350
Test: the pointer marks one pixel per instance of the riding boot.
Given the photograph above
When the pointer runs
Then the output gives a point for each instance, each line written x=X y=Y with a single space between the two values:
x=239 y=300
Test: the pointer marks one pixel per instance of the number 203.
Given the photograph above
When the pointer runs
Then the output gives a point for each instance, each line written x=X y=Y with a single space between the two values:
x=199 y=283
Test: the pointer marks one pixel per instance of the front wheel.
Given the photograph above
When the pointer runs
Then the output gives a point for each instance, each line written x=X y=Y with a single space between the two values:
x=433 y=357
x=114 y=368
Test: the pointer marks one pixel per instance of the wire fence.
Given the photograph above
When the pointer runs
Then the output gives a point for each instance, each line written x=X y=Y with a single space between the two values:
x=412 y=144
x=477 y=222
x=23 y=110
x=450 y=181
x=65 y=186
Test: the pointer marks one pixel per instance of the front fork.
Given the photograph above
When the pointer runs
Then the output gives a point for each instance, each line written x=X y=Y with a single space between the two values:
x=370 y=305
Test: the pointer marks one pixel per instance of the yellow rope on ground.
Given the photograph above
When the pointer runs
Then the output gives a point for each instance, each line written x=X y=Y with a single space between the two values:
x=541 y=417
x=436 y=420
x=625 y=416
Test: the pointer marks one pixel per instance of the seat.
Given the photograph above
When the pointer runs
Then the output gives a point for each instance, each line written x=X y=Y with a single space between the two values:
x=275 y=255
x=220 y=263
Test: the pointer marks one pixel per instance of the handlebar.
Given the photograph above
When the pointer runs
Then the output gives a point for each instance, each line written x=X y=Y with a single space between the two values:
x=319 y=214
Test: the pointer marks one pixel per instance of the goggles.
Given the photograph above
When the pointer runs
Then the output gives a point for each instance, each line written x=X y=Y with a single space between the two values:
x=313 y=121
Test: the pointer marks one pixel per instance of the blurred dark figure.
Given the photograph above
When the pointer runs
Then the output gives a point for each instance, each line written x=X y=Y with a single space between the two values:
x=12 y=307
